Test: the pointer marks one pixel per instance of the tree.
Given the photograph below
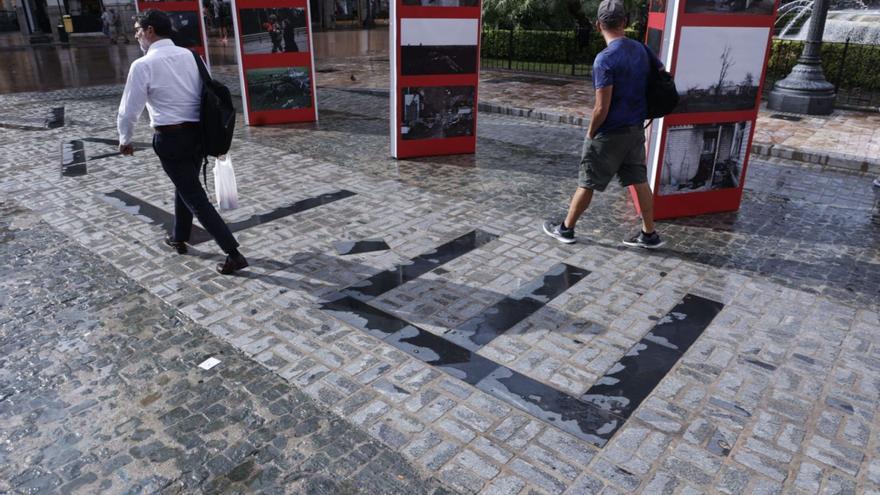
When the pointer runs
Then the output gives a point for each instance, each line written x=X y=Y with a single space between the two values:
x=551 y=14
x=726 y=64
x=749 y=80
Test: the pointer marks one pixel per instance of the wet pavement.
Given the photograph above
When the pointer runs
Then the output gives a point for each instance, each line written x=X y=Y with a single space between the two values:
x=358 y=59
x=741 y=359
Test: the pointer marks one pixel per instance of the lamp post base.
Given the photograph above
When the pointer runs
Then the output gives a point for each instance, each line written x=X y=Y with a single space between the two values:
x=804 y=91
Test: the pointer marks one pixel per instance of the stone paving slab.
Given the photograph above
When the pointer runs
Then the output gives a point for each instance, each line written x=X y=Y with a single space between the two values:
x=777 y=395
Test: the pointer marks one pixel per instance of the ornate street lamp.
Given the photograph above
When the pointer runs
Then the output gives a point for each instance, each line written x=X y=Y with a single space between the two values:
x=805 y=89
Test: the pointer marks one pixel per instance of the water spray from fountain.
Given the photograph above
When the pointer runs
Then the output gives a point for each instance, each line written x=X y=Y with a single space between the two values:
x=860 y=24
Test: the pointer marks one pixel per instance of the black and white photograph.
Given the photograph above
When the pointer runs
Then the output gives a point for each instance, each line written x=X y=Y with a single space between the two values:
x=437 y=112
x=186 y=29
x=756 y=7
x=720 y=68
x=704 y=157
x=443 y=3
x=279 y=88
x=274 y=30
x=438 y=46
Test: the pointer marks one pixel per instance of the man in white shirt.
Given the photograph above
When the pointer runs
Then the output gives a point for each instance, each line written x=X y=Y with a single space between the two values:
x=167 y=81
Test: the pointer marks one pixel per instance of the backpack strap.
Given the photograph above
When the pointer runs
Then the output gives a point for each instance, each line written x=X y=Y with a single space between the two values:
x=652 y=66
x=203 y=71
x=206 y=78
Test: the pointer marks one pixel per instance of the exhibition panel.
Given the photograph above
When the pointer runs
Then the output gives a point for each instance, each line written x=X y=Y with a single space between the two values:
x=717 y=52
x=435 y=56
x=275 y=61
x=187 y=20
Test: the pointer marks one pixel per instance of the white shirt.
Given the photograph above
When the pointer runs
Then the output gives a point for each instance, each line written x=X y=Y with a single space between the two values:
x=167 y=80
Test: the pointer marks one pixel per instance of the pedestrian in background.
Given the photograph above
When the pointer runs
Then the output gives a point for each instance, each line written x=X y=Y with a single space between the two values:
x=167 y=81
x=118 y=31
x=106 y=22
x=615 y=141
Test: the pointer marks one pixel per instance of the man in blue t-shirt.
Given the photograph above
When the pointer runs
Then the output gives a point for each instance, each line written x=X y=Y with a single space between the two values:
x=615 y=141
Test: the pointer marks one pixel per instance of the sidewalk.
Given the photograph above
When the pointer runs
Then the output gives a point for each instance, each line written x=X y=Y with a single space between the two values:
x=845 y=140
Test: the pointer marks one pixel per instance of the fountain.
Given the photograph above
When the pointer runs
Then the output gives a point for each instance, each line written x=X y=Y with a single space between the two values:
x=860 y=24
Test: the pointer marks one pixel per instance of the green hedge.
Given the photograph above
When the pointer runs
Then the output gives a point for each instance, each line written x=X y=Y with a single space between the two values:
x=860 y=69
x=540 y=46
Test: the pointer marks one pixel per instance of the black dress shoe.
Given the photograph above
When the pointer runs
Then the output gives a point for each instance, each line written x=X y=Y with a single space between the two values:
x=178 y=246
x=232 y=265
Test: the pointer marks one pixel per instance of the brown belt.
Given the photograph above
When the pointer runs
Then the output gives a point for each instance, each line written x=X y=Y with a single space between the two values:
x=176 y=127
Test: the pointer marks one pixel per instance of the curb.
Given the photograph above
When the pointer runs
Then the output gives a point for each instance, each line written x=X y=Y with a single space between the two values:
x=837 y=161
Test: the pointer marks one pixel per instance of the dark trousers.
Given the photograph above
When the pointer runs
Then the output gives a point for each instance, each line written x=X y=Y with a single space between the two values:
x=179 y=150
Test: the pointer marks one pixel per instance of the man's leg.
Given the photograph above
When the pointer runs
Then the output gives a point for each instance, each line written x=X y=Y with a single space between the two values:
x=594 y=175
x=183 y=219
x=646 y=204
x=634 y=172
x=579 y=204
x=181 y=162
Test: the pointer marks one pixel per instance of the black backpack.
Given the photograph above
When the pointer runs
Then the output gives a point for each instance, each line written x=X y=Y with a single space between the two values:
x=660 y=93
x=217 y=115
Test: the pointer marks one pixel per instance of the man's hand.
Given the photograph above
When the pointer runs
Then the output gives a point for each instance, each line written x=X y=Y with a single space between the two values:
x=126 y=149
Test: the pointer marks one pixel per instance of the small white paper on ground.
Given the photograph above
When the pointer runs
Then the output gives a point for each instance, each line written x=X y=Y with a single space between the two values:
x=209 y=363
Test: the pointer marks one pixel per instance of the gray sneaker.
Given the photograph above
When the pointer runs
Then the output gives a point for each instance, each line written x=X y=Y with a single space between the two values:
x=877 y=182
x=555 y=230
x=643 y=240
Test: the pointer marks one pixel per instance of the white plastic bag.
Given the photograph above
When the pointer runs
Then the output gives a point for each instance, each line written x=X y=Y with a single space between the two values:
x=224 y=183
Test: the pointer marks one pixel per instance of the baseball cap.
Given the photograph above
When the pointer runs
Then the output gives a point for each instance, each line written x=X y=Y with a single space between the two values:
x=611 y=12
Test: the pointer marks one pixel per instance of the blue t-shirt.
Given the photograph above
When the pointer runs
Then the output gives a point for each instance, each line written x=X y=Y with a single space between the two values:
x=623 y=64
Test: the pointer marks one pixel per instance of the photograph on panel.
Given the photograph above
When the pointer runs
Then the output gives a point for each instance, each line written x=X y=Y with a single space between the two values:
x=758 y=7
x=443 y=3
x=279 y=88
x=186 y=29
x=720 y=69
x=437 y=112
x=438 y=46
x=274 y=30
x=704 y=157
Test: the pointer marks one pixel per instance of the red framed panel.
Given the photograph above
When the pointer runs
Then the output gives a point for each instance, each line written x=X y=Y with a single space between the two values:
x=281 y=73
x=729 y=119
x=458 y=84
x=185 y=6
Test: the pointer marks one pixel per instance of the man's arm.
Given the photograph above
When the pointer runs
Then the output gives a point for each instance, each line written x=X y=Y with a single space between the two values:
x=600 y=110
x=134 y=98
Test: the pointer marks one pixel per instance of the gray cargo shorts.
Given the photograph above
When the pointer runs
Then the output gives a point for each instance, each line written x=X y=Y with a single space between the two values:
x=618 y=152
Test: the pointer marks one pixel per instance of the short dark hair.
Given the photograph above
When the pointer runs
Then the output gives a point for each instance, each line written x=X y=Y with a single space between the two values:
x=618 y=24
x=159 y=20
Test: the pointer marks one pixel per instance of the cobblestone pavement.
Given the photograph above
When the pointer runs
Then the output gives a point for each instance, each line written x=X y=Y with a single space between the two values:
x=776 y=395
x=100 y=392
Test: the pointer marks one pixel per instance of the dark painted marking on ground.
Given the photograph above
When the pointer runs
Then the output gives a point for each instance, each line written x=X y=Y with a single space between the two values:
x=158 y=216
x=503 y=315
x=73 y=159
x=358 y=247
x=634 y=377
x=390 y=279
x=55 y=119
x=284 y=211
x=595 y=416
x=149 y=213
